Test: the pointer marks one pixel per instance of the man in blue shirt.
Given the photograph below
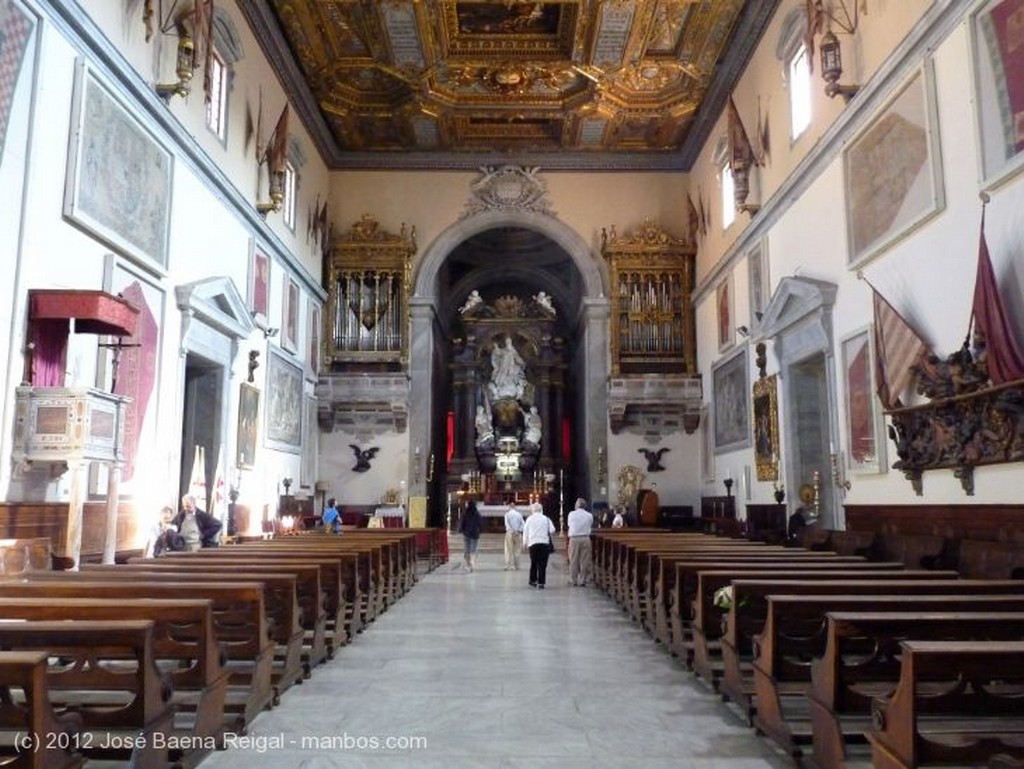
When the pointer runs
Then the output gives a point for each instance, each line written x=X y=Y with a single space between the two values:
x=331 y=517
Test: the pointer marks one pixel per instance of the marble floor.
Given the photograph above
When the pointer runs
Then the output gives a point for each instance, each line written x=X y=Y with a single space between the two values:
x=480 y=670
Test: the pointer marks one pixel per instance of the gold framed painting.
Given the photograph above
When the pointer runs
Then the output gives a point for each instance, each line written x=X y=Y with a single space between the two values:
x=248 y=426
x=766 y=428
x=997 y=59
x=865 y=446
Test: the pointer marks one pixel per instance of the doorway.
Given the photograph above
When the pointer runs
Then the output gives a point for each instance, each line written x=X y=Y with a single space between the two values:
x=808 y=394
x=201 y=423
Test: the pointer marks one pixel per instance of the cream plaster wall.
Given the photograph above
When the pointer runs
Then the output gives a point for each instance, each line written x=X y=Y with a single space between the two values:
x=433 y=200
x=253 y=87
x=928 y=275
x=209 y=237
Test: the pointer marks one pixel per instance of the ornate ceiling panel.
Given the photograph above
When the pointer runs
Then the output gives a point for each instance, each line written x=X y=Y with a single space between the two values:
x=617 y=83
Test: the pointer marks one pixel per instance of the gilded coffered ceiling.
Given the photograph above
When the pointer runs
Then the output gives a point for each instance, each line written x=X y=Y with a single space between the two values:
x=580 y=83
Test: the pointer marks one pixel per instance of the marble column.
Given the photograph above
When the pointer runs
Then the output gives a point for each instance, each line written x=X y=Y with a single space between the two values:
x=422 y=313
x=113 y=497
x=596 y=311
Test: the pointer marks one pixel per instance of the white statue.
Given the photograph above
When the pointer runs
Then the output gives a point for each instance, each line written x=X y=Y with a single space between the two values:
x=472 y=301
x=484 y=427
x=508 y=372
x=534 y=427
x=544 y=301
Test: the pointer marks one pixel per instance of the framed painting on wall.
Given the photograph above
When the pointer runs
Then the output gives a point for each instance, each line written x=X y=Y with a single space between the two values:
x=259 y=284
x=730 y=390
x=313 y=337
x=17 y=52
x=290 y=316
x=865 y=448
x=284 y=403
x=248 y=426
x=997 y=58
x=766 y=428
x=119 y=176
x=723 y=313
x=757 y=279
x=892 y=171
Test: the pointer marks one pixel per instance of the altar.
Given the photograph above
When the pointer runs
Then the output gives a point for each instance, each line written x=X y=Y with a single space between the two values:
x=388 y=517
x=494 y=511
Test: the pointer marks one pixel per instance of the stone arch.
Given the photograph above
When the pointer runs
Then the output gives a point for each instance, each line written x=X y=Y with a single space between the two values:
x=592 y=319
x=594 y=279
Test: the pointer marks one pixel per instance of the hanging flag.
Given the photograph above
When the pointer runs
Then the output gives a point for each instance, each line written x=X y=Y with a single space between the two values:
x=322 y=227
x=815 y=23
x=762 y=136
x=204 y=45
x=1005 y=362
x=197 y=483
x=277 y=148
x=250 y=126
x=741 y=154
x=147 y=18
x=704 y=218
x=897 y=348
x=693 y=218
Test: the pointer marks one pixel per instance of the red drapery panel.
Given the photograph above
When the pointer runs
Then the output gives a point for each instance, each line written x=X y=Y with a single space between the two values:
x=50 y=312
x=449 y=449
x=566 y=440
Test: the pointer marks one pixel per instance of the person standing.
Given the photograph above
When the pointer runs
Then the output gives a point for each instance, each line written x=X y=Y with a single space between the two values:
x=537 y=533
x=197 y=527
x=513 y=537
x=470 y=526
x=580 y=522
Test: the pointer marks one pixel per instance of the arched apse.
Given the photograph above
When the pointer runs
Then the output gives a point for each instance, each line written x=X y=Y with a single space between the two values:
x=591 y=323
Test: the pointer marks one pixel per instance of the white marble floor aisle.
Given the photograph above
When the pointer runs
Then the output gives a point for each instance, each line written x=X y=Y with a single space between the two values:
x=480 y=670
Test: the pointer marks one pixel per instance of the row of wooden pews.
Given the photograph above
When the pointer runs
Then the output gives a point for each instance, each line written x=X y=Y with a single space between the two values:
x=839 y=660
x=157 y=662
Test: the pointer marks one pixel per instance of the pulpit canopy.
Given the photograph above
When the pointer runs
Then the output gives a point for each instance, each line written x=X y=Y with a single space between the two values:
x=94 y=312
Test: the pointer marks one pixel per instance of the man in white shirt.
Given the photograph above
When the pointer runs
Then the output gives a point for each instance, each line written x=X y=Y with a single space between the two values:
x=513 y=537
x=537 y=533
x=580 y=522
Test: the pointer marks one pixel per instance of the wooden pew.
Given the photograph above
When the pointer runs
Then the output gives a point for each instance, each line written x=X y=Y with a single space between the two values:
x=861 y=662
x=25 y=709
x=240 y=624
x=306 y=586
x=648 y=587
x=341 y=572
x=748 y=617
x=184 y=648
x=367 y=573
x=703 y=653
x=981 y=705
x=106 y=672
x=683 y=600
x=793 y=635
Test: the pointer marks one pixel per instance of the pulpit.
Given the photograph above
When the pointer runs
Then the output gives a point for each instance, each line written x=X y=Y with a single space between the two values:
x=647 y=507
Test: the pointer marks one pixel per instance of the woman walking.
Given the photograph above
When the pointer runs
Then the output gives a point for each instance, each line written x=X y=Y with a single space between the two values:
x=470 y=526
